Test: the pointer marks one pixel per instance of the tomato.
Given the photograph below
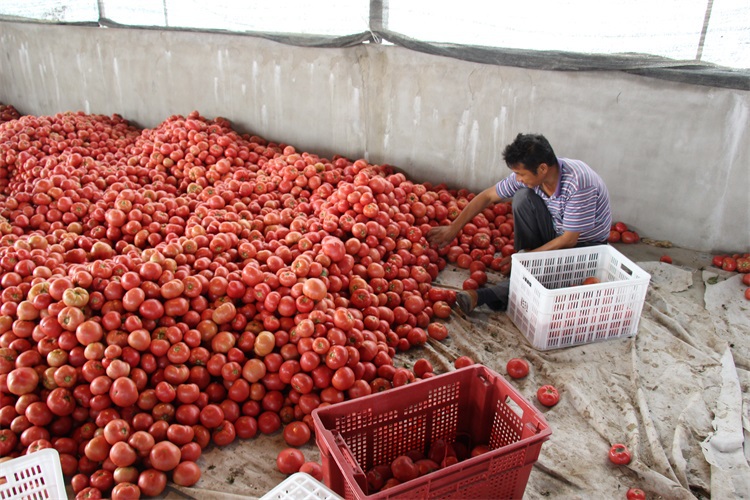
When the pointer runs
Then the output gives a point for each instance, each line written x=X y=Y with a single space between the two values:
x=463 y=361
x=548 y=395
x=404 y=469
x=296 y=434
x=125 y=491
x=729 y=264
x=630 y=237
x=517 y=368
x=123 y=392
x=666 y=259
x=8 y=442
x=164 y=456
x=718 y=260
x=747 y=293
x=152 y=482
x=289 y=460
x=422 y=366
x=619 y=454
x=635 y=494
x=314 y=469
x=186 y=473
x=22 y=381
x=224 y=433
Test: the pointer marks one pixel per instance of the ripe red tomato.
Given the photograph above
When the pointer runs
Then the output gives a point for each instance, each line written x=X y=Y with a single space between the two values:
x=747 y=293
x=152 y=482
x=404 y=469
x=729 y=264
x=619 y=454
x=630 y=237
x=746 y=279
x=614 y=236
x=666 y=259
x=437 y=331
x=517 y=368
x=314 y=469
x=463 y=361
x=548 y=395
x=620 y=227
x=470 y=284
x=635 y=494
x=296 y=433
x=289 y=460
x=164 y=456
x=186 y=473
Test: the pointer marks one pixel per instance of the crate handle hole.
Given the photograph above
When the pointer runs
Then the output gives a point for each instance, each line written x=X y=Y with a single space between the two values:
x=627 y=270
x=526 y=280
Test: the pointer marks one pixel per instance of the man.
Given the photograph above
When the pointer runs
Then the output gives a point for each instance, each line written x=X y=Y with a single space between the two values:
x=557 y=203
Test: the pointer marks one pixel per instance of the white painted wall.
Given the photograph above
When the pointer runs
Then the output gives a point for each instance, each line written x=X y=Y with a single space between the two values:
x=676 y=157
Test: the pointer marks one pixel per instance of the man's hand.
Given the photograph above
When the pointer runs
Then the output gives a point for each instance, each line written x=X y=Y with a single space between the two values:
x=441 y=235
x=507 y=261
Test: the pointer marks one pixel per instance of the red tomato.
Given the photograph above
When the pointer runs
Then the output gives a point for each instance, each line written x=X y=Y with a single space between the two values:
x=404 y=469
x=289 y=460
x=635 y=494
x=314 y=469
x=548 y=395
x=164 y=456
x=296 y=434
x=186 y=473
x=619 y=454
x=630 y=237
x=152 y=482
x=517 y=368
x=463 y=361
x=665 y=258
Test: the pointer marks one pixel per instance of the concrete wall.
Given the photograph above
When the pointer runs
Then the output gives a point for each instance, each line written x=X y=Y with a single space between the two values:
x=675 y=157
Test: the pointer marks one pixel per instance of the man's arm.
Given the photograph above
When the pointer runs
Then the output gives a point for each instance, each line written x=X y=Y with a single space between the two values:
x=442 y=235
x=568 y=239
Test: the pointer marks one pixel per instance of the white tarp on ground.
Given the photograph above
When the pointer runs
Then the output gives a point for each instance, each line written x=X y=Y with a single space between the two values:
x=675 y=394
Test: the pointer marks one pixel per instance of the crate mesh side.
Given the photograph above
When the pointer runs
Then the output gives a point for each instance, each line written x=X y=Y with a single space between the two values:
x=506 y=426
x=560 y=315
x=500 y=480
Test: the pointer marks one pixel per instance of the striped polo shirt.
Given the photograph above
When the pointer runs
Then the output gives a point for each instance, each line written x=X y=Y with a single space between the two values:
x=580 y=203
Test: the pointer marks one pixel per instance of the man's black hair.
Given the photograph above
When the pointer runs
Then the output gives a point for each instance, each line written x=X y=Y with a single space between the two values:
x=529 y=150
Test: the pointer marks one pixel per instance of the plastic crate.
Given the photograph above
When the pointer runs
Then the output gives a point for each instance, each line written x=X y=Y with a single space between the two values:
x=300 y=486
x=473 y=404
x=553 y=310
x=36 y=476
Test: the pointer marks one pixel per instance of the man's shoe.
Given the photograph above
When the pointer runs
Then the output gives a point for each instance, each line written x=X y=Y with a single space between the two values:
x=467 y=300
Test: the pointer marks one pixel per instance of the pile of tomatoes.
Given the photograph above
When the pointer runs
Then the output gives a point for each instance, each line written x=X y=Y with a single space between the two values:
x=167 y=289
x=621 y=233
x=415 y=463
x=8 y=113
x=737 y=262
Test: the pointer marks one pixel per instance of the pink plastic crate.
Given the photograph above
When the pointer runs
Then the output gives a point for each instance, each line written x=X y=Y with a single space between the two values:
x=473 y=404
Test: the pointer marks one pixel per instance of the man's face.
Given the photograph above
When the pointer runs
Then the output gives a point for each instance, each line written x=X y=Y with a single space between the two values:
x=527 y=177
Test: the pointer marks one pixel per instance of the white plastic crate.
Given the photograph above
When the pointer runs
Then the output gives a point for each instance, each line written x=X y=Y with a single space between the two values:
x=36 y=476
x=300 y=486
x=553 y=310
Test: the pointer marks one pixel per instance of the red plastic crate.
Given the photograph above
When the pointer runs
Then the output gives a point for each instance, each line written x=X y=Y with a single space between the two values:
x=472 y=404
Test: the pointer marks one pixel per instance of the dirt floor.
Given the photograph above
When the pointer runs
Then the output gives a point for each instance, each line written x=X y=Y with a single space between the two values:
x=676 y=394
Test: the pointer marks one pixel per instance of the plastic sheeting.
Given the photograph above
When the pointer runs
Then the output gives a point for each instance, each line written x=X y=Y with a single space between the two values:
x=677 y=40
